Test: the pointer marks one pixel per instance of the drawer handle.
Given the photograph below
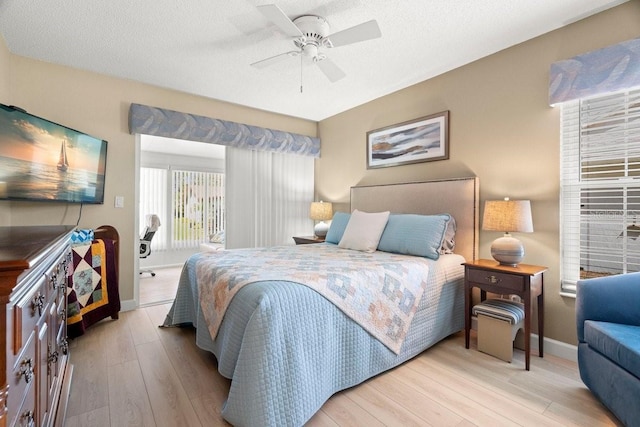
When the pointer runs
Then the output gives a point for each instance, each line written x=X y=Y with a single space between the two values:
x=63 y=314
x=26 y=370
x=37 y=304
x=51 y=357
x=31 y=420
x=57 y=284
x=493 y=279
x=64 y=346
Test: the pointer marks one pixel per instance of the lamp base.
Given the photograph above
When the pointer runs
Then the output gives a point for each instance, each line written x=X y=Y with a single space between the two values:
x=507 y=250
x=321 y=229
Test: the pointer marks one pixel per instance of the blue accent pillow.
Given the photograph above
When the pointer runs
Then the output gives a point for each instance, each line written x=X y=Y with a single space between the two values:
x=410 y=234
x=81 y=236
x=336 y=229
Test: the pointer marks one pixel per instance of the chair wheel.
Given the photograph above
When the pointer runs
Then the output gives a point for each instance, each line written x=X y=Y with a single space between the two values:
x=153 y=274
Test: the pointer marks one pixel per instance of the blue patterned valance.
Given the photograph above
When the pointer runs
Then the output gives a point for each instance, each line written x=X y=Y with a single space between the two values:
x=174 y=124
x=611 y=69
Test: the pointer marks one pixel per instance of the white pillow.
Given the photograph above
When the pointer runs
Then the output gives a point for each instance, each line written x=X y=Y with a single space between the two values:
x=364 y=230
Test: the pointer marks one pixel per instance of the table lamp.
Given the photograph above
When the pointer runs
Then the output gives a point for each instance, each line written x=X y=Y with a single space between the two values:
x=321 y=211
x=506 y=216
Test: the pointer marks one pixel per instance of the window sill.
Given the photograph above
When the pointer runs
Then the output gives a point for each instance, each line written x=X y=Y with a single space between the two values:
x=568 y=294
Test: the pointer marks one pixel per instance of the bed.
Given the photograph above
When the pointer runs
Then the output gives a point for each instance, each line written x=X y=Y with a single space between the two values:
x=287 y=348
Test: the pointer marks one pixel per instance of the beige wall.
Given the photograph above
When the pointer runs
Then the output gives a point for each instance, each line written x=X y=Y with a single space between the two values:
x=98 y=105
x=501 y=130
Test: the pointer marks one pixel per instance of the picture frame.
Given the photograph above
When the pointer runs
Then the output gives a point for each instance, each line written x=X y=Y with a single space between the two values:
x=425 y=139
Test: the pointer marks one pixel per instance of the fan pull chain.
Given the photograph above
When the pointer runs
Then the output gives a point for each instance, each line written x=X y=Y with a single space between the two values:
x=301 y=72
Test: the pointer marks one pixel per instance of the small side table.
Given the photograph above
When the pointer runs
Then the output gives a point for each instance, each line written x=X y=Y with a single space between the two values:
x=305 y=240
x=524 y=280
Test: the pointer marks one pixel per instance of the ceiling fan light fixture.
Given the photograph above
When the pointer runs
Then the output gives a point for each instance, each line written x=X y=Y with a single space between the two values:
x=310 y=50
x=310 y=34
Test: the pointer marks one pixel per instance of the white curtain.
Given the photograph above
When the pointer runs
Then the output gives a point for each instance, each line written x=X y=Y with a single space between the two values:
x=154 y=200
x=267 y=197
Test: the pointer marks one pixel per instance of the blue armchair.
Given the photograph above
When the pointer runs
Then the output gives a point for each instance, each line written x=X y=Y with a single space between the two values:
x=608 y=320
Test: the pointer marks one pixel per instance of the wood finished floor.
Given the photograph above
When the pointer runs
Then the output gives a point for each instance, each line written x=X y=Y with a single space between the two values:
x=129 y=372
x=160 y=288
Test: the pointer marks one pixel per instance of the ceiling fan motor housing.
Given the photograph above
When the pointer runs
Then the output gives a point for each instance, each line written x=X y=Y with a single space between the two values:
x=315 y=29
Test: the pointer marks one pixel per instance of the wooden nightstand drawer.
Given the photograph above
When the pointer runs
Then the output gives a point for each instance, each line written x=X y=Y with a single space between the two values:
x=495 y=279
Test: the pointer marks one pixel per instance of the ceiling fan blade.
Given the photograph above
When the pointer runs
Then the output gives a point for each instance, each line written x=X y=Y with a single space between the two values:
x=358 y=33
x=330 y=69
x=278 y=17
x=263 y=63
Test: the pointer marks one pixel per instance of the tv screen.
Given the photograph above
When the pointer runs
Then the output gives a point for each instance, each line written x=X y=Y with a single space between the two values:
x=42 y=160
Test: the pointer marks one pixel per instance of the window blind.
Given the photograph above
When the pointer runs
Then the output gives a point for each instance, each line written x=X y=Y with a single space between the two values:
x=190 y=204
x=268 y=197
x=600 y=187
x=198 y=207
x=153 y=200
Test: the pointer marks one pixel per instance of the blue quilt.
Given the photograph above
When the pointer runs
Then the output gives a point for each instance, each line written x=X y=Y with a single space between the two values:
x=380 y=291
x=287 y=349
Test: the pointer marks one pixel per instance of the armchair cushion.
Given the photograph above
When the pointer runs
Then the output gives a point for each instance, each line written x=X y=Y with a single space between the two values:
x=620 y=343
x=608 y=299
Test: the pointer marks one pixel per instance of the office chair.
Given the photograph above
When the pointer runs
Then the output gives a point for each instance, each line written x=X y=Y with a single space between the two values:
x=153 y=222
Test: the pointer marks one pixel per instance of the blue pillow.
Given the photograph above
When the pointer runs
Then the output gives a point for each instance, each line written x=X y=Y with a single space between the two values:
x=336 y=229
x=420 y=235
x=82 y=236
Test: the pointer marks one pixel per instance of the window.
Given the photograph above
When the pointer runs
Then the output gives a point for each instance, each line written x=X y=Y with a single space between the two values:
x=190 y=205
x=600 y=187
x=198 y=207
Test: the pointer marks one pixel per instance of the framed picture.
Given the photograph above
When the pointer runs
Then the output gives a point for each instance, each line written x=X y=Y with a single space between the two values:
x=421 y=140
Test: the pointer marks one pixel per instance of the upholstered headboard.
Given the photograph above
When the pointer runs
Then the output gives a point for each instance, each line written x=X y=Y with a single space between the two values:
x=458 y=197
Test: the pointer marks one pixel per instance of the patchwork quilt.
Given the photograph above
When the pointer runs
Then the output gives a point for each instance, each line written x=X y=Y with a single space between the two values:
x=287 y=349
x=92 y=286
x=379 y=291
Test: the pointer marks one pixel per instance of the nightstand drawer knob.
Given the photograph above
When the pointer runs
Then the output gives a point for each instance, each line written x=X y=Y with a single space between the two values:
x=493 y=279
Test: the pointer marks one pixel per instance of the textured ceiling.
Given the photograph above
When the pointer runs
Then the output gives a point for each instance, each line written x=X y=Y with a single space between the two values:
x=204 y=47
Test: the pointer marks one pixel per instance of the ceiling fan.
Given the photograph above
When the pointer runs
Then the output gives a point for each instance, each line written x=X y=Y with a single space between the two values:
x=310 y=34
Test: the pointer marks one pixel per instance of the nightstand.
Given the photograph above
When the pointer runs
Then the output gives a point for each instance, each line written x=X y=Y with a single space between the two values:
x=524 y=280
x=305 y=240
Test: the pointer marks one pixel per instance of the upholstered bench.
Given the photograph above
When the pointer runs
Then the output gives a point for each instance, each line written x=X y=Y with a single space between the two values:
x=498 y=323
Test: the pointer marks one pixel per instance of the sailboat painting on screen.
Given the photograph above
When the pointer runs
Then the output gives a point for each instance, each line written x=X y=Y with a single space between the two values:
x=421 y=140
x=63 y=162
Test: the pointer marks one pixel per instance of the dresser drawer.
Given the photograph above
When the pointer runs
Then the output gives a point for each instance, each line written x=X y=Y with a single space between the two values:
x=28 y=312
x=508 y=282
x=26 y=415
x=56 y=279
x=22 y=379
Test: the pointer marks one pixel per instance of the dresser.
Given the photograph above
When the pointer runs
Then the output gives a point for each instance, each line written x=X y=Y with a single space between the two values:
x=33 y=279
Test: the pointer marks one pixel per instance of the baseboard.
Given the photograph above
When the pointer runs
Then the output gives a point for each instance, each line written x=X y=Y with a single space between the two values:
x=128 y=305
x=557 y=348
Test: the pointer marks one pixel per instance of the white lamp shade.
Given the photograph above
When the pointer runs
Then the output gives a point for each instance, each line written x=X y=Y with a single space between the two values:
x=507 y=215
x=321 y=211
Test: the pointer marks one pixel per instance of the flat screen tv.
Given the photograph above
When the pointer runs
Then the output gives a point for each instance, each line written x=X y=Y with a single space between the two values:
x=45 y=161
